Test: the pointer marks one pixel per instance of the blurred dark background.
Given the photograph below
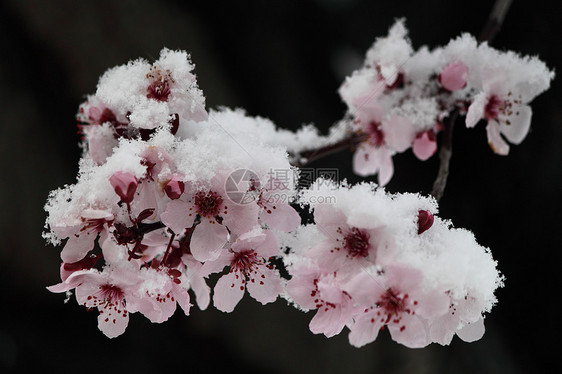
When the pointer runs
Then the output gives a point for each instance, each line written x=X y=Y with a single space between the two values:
x=283 y=60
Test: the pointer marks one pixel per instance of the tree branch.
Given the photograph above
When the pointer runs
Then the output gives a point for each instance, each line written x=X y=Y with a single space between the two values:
x=495 y=20
x=349 y=143
x=445 y=153
x=491 y=28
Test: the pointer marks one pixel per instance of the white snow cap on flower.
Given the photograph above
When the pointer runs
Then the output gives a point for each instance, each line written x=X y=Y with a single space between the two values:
x=391 y=52
x=395 y=264
x=148 y=94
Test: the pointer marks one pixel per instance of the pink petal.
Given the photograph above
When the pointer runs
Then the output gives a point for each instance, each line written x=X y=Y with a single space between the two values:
x=364 y=160
x=472 y=331
x=386 y=168
x=433 y=304
x=329 y=321
x=365 y=329
x=328 y=217
x=228 y=292
x=145 y=198
x=265 y=286
x=399 y=133
x=425 y=145
x=520 y=122
x=76 y=248
x=281 y=217
x=454 y=76
x=476 y=110
x=208 y=240
x=410 y=331
x=268 y=246
x=366 y=288
x=178 y=216
x=300 y=288
x=495 y=139
x=111 y=323
x=182 y=297
x=240 y=218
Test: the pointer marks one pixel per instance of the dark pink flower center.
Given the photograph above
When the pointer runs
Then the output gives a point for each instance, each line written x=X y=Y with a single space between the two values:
x=376 y=136
x=111 y=293
x=356 y=243
x=159 y=88
x=208 y=203
x=244 y=260
x=493 y=107
x=94 y=225
x=393 y=303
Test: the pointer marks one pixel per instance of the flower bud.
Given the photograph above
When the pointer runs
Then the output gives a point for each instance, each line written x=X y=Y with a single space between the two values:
x=125 y=185
x=174 y=188
x=453 y=76
x=425 y=220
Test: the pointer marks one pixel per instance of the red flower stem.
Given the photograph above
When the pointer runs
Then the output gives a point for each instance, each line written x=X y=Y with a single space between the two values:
x=165 y=258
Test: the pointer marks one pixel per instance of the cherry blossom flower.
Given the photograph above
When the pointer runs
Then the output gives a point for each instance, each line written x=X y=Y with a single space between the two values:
x=249 y=269
x=82 y=233
x=217 y=213
x=384 y=137
x=506 y=115
x=113 y=292
x=311 y=288
x=346 y=246
x=399 y=302
x=464 y=318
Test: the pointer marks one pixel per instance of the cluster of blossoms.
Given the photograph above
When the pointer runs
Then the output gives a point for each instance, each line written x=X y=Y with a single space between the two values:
x=401 y=99
x=388 y=262
x=169 y=193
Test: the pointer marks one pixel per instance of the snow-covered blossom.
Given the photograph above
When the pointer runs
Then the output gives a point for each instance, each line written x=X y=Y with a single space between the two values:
x=169 y=193
x=387 y=262
x=401 y=98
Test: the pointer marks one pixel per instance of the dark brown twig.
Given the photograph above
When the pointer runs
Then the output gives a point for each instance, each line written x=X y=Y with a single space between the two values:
x=445 y=153
x=349 y=143
x=491 y=28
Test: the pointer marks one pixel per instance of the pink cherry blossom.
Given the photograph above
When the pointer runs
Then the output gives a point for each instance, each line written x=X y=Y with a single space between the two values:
x=310 y=288
x=249 y=269
x=384 y=136
x=82 y=233
x=112 y=292
x=160 y=291
x=507 y=115
x=346 y=247
x=216 y=212
x=454 y=76
x=463 y=318
x=399 y=302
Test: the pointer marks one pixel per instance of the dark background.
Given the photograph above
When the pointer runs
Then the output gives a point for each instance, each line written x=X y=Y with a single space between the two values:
x=283 y=60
